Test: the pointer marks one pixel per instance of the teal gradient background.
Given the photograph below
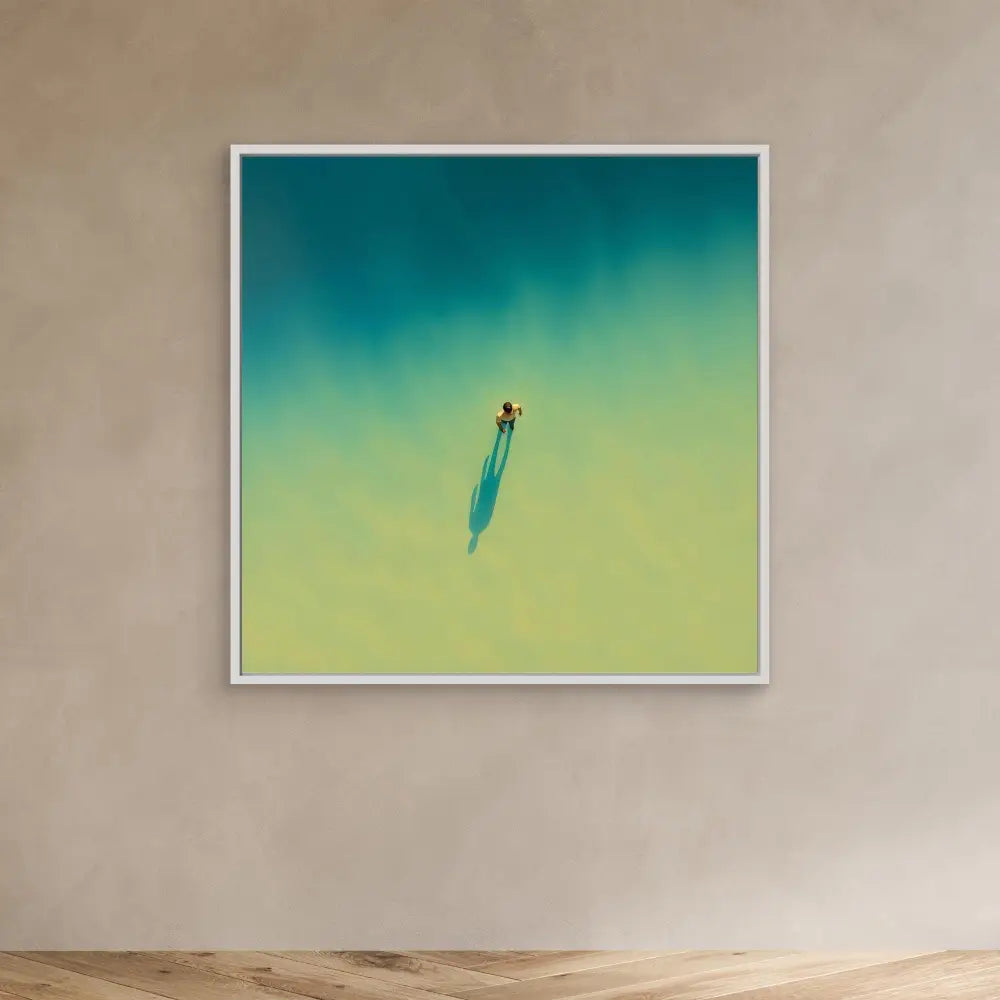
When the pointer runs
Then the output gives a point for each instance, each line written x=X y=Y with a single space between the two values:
x=389 y=304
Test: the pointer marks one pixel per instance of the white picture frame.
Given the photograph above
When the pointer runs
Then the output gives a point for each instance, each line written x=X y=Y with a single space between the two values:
x=762 y=674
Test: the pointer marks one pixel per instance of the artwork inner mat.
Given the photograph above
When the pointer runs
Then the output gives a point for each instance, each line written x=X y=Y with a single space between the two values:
x=387 y=302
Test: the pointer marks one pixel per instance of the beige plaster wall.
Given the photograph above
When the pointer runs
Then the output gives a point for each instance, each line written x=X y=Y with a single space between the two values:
x=145 y=803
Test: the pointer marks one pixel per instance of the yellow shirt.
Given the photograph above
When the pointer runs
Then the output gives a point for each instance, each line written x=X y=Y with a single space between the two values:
x=507 y=417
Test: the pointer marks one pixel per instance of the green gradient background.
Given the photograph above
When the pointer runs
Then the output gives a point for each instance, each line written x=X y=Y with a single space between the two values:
x=390 y=304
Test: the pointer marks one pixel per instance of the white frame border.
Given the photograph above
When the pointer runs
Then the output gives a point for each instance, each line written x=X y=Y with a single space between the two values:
x=762 y=676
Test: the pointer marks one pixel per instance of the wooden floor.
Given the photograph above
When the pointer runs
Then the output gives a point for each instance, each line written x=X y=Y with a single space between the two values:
x=490 y=975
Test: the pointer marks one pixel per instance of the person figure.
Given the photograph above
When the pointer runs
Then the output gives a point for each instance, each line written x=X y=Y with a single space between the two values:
x=509 y=412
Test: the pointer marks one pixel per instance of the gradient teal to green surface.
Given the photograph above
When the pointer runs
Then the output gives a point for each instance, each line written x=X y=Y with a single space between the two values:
x=390 y=304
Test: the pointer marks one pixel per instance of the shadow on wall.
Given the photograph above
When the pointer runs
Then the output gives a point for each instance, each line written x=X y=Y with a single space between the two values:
x=484 y=493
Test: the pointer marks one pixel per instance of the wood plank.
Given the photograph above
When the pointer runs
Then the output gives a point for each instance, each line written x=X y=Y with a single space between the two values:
x=558 y=963
x=473 y=959
x=755 y=974
x=30 y=979
x=272 y=970
x=146 y=971
x=694 y=976
x=395 y=967
x=626 y=975
x=943 y=976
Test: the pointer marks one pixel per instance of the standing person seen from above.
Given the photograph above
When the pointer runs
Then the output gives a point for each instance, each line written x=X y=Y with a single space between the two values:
x=507 y=415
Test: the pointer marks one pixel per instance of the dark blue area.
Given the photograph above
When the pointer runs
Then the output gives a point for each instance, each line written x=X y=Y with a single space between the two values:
x=375 y=243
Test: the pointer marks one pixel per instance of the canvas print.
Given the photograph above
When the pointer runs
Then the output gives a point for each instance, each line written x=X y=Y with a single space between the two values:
x=499 y=414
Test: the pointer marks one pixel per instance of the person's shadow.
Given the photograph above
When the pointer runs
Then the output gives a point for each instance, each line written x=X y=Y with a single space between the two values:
x=484 y=494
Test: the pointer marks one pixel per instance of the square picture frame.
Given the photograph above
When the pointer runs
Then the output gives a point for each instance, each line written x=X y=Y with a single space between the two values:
x=274 y=240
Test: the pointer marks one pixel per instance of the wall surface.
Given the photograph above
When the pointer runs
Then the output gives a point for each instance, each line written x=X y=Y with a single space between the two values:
x=145 y=803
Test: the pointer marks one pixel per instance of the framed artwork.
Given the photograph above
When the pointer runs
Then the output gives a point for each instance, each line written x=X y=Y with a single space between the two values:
x=499 y=414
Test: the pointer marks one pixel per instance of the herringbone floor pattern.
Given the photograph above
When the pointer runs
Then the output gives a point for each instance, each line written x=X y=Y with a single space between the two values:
x=487 y=975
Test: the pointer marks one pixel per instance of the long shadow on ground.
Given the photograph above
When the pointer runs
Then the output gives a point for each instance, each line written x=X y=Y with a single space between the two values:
x=485 y=492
